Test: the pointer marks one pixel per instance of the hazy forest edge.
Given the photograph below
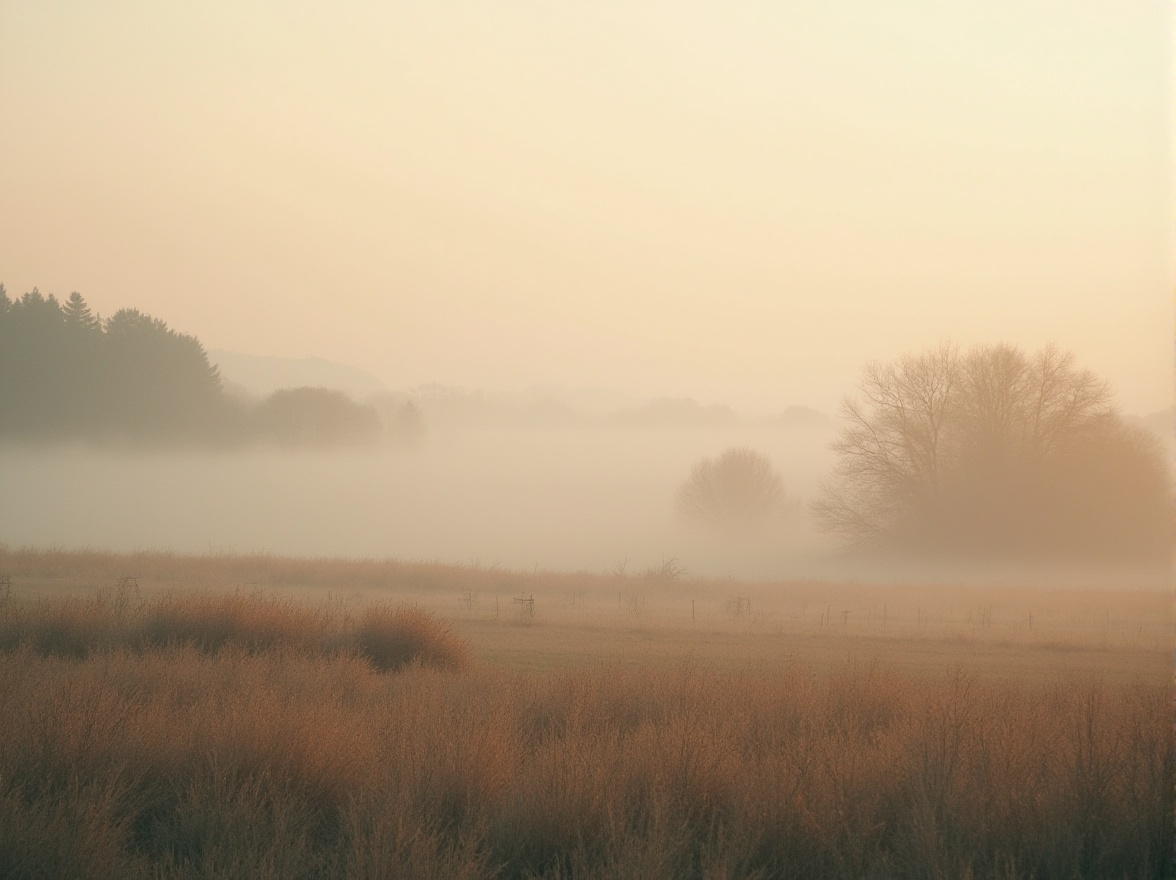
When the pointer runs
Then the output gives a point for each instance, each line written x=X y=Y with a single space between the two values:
x=130 y=380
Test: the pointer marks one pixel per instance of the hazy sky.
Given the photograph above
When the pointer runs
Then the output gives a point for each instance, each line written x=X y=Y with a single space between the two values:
x=737 y=201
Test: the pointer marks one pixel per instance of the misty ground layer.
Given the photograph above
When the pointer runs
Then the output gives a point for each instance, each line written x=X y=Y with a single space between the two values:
x=564 y=499
x=281 y=750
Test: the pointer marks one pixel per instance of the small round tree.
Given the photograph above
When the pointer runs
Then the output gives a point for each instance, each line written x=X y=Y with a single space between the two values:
x=738 y=491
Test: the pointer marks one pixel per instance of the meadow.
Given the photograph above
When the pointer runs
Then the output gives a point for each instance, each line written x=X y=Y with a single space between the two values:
x=251 y=716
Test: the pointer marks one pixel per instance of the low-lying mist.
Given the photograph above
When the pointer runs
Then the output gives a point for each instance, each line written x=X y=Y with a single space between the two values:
x=571 y=499
x=562 y=498
x=949 y=464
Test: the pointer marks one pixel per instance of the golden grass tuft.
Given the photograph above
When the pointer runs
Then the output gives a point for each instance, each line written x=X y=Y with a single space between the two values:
x=394 y=637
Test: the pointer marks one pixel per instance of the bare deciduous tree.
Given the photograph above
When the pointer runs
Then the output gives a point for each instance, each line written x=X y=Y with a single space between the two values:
x=738 y=490
x=995 y=452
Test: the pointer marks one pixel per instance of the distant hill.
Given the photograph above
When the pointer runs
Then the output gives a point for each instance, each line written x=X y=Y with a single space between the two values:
x=261 y=375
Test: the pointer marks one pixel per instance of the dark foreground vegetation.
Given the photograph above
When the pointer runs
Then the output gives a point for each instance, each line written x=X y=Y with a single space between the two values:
x=246 y=736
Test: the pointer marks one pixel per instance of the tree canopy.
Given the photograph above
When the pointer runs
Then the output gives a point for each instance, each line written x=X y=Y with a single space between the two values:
x=737 y=491
x=995 y=452
x=67 y=374
x=308 y=417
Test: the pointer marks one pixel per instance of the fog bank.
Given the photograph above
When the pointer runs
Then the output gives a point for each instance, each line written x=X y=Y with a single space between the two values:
x=518 y=498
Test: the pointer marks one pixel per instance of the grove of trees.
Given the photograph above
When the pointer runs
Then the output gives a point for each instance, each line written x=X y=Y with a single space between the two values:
x=296 y=417
x=996 y=453
x=65 y=374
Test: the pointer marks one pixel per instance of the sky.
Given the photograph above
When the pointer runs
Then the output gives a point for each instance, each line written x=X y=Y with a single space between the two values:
x=738 y=202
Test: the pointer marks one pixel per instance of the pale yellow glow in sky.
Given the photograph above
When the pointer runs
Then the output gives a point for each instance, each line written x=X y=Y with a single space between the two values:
x=740 y=202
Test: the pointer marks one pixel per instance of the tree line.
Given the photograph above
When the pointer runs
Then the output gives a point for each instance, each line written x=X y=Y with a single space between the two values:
x=67 y=374
x=989 y=453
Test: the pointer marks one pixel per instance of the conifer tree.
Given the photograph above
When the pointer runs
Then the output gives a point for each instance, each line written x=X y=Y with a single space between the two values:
x=77 y=313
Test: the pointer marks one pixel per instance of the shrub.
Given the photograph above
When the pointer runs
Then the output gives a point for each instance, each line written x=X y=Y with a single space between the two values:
x=738 y=490
x=394 y=637
x=669 y=570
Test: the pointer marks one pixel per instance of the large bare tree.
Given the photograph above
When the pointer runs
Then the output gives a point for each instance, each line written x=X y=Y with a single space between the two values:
x=994 y=452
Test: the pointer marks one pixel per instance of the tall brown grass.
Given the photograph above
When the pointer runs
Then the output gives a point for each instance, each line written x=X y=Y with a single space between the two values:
x=228 y=756
x=386 y=636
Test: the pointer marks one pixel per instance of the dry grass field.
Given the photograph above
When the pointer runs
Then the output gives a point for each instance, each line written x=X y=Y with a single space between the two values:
x=184 y=716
